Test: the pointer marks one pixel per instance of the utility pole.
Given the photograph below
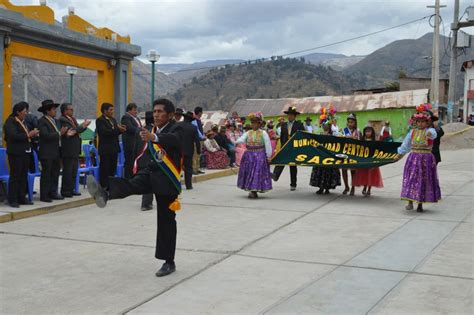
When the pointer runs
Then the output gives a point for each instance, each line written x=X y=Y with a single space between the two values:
x=434 y=90
x=453 y=64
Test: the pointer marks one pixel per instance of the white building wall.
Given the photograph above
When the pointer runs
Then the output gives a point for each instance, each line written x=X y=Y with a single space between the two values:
x=468 y=85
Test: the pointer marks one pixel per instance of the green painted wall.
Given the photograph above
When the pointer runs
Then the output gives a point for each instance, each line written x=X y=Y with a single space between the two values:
x=398 y=118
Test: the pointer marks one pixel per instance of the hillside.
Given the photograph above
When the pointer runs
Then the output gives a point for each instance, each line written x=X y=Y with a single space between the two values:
x=50 y=81
x=220 y=88
x=411 y=55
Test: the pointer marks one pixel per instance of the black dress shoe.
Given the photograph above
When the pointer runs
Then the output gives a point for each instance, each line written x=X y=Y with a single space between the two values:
x=165 y=270
x=14 y=204
x=46 y=200
x=147 y=208
x=66 y=195
x=97 y=192
x=76 y=193
x=25 y=202
x=57 y=197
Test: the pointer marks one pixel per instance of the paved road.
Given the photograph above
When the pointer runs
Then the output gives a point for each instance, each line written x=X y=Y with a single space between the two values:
x=287 y=252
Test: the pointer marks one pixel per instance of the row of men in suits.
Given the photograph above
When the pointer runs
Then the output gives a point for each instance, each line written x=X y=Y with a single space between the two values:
x=58 y=139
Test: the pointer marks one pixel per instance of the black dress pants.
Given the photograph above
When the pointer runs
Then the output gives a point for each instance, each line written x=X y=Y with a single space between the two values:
x=107 y=168
x=18 y=181
x=140 y=184
x=188 y=171
x=128 y=163
x=49 y=177
x=70 y=166
x=293 y=173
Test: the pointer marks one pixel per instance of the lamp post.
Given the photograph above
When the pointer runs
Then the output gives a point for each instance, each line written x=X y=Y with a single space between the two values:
x=152 y=57
x=71 y=71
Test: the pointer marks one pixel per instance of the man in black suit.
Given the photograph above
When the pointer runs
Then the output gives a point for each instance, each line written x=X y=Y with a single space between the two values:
x=71 y=146
x=49 y=146
x=191 y=143
x=130 y=137
x=18 y=139
x=288 y=129
x=154 y=178
x=108 y=132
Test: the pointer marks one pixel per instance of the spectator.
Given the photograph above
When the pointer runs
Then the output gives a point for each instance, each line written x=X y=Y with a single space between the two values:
x=198 y=111
x=216 y=157
x=224 y=142
x=233 y=134
x=130 y=137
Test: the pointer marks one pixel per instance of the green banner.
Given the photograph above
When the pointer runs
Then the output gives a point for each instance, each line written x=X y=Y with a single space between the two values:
x=307 y=149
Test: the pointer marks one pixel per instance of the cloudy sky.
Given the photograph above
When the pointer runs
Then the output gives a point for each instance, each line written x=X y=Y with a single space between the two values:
x=197 y=30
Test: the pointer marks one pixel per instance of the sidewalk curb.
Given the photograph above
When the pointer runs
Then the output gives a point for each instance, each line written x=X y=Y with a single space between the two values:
x=13 y=216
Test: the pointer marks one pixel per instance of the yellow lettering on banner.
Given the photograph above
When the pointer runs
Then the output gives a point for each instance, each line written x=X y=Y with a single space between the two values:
x=301 y=157
x=352 y=161
x=375 y=153
x=344 y=148
x=328 y=161
x=366 y=152
x=314 y=160
x=295 y=143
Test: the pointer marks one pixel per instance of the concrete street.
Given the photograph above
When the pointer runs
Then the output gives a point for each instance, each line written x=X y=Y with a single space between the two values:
x=284 y=253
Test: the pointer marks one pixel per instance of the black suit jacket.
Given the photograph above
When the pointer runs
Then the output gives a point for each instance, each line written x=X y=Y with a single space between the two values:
x=284 y=136
x=108 y=133
x=170 y=138
x=16 y=137
x=131 y=135
x=71 y=145
x=190 y=138
x=48 y=139
x=436 y=144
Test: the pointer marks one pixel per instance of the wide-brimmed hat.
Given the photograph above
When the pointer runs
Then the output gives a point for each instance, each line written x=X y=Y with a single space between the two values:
x=179 y=111
x=47 y=105
x=292 y=110
x=308 y=119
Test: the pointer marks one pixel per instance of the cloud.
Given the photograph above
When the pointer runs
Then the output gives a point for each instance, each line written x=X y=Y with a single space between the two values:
x=196 y=30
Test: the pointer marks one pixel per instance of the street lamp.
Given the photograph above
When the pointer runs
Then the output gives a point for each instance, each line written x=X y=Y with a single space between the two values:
x=152 y=57
x=71 y=71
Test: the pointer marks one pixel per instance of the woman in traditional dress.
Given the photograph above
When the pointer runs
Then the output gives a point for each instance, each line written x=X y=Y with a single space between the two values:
x=420 y=176
x=350 y=131
x=325 y=178
x=254 y=172
x=368 y=177
x=216 y=157
x=272 y=134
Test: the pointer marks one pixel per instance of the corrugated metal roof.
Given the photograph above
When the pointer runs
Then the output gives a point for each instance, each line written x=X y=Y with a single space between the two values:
x=344 y=103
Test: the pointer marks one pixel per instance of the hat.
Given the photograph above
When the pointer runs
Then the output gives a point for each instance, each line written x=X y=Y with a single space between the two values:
x=179 y=111
x=188 y=114
x=423 y=112
x=308 y=119
x=292 y=110
x=352 y=116
x=258 y=116
x=47 y=105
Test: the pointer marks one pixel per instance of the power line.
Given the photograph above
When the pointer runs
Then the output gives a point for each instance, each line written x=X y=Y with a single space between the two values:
x=318 y=47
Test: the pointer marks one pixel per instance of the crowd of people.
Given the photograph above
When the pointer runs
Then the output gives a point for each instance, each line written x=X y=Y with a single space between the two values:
x=173 y=140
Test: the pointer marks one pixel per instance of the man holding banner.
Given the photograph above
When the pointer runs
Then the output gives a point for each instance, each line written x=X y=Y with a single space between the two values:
x=288 y=129
x=162 y=152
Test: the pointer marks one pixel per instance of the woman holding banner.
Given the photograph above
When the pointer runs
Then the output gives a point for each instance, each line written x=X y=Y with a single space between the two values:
x=420 y=177
x=326 y=178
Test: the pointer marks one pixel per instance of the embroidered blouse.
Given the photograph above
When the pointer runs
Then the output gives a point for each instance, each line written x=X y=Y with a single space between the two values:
x=257 y=138
x=418 y=139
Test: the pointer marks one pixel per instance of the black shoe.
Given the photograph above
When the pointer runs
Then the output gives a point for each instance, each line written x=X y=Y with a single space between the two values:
x=46 y=200
x=97 y=192
x=292 y=188
x=189 y=188
x=57 y=197
x=14 y=204
x=147 y=208
x=76 y=193
x=320 y=192
x=274 y=177
x=165 y=270
x=66 y=195
x=25 y=202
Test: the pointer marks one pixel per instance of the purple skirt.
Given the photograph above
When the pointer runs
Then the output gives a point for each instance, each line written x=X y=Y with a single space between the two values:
x=420 y=178
x=254 y=172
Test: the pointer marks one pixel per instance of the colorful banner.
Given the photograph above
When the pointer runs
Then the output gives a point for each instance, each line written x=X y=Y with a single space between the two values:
x=307 y=149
